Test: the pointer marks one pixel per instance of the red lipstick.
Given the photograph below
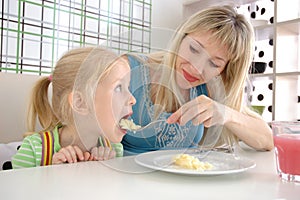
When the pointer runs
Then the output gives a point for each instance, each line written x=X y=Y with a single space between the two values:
x=189 y=77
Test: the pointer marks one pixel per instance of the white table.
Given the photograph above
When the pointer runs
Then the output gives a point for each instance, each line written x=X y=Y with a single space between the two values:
x=98 y=180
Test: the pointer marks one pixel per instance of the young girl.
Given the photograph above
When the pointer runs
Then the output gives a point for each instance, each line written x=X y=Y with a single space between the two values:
x=89 y=97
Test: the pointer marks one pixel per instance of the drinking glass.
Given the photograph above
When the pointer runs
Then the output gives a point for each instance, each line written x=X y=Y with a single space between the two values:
x=286 y=135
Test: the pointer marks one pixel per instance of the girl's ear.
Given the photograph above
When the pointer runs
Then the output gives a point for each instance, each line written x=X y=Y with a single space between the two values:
x=77 y=103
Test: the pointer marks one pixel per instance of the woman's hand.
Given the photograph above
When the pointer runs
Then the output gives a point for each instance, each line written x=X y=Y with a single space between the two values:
x=102 y=153
x=70 y=154
x=254 y=131
x=200 y=110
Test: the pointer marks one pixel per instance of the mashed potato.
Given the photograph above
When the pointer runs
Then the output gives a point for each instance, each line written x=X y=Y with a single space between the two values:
x=129 y=125
x=191 y=162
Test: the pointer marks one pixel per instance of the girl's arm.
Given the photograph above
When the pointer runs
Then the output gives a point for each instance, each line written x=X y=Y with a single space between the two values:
x=27 y=154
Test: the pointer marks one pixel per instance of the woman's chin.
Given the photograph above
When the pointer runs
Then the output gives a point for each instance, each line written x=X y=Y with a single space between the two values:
x=184 y=84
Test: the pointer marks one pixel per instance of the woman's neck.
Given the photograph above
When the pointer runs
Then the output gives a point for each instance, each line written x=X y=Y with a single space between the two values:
x=185 y=93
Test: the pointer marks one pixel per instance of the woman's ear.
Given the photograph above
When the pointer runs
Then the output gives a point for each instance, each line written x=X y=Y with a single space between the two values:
x=78 y=103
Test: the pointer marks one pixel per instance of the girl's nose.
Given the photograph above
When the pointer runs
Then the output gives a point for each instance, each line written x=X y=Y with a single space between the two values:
x=132 y=99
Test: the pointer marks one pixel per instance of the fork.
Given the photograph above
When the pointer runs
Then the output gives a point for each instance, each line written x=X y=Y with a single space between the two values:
x=149 y=125
x=204 y=152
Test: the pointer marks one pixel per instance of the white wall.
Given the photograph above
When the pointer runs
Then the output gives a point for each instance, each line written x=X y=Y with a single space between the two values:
x=192 y=6
x=15 y=92
x=166 y=17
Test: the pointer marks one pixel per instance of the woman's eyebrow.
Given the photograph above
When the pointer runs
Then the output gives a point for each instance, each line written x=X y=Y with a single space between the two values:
x=199 y=43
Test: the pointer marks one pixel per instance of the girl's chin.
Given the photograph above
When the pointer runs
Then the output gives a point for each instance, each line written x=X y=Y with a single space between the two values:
x=119 y=134
x=117 y=139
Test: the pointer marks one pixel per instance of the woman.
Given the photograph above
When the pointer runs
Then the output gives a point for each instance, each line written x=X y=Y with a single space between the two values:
x=198 y=83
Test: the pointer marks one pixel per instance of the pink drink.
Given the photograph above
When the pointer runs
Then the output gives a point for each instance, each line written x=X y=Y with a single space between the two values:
x=287 y=149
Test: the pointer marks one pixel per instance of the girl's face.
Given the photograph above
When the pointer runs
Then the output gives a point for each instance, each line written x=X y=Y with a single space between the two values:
x=113 y=100
x=200 y=58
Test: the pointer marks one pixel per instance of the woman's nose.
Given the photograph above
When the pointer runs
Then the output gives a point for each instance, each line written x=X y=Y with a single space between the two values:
x=199 y=64
x=198 y=67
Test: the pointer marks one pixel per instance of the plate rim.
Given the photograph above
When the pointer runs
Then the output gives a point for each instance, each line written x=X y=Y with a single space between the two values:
x=137 y=160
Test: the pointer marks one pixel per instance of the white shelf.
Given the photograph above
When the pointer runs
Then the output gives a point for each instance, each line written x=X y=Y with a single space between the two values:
x=291 y=27
x=264 y=32
x=260 y=75
x=287 y=48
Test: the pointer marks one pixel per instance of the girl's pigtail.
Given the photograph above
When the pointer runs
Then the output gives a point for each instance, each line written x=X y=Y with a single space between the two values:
x=40 y=108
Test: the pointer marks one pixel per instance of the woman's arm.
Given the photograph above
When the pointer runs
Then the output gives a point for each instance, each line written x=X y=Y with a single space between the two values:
x=253 y=130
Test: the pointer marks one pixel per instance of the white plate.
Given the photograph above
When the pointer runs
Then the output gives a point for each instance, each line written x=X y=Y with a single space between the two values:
x=223 y=163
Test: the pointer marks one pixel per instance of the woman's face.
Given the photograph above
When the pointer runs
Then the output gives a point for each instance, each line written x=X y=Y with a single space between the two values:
x=200 y=58
x=113 y=100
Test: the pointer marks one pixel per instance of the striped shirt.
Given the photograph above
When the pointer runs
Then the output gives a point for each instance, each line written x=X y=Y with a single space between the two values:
x=30 y=152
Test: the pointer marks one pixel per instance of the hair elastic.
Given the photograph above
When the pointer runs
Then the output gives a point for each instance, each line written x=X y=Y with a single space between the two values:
x=50 y=77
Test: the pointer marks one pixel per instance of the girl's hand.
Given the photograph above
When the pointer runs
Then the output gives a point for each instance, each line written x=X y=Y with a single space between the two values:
x=102 y=153
x=200 y=110
x=70 y=154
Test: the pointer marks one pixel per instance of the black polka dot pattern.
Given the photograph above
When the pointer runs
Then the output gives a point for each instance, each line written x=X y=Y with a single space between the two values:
x=271 y=42
x=271 y=64
x=260 y=97
x=261 y=54
x=261 y=93
x=270 y=108
x=270 y=86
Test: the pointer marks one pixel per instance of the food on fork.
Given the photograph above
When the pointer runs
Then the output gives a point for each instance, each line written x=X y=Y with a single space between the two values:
x=129 y=125
x=191 y=162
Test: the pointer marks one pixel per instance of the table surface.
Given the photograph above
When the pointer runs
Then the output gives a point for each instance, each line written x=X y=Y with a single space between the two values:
x=122 y=178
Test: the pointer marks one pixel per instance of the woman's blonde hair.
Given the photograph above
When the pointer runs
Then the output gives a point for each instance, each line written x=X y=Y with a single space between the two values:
x=234 y=32
x=79 y=69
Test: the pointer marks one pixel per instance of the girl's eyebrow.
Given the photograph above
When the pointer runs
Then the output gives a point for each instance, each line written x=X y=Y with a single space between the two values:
x=117 y=80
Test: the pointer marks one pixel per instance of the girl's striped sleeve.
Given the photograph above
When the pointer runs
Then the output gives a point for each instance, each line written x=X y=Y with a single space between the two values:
x=118 y=147
x=29 y=154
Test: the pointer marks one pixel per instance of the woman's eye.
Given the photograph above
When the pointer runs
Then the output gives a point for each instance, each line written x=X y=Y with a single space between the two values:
x=212 y=64
x=193 y=49
x=118 y=88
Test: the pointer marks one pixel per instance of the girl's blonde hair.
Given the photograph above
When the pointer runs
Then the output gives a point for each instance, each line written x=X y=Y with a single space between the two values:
x=78 y=69
x=234 y=32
